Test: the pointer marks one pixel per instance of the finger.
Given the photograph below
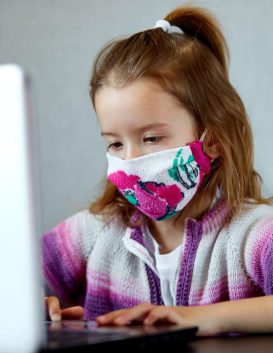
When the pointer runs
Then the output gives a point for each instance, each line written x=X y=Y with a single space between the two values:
x=159 y=314
x=54 y=309
x=137 y=313
x=109 y=317
x=73 y=313
x=46 y=309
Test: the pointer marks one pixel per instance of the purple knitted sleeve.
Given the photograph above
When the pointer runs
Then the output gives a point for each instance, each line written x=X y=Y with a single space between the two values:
x=63 y=262
x=260 y=256
x=267 y=266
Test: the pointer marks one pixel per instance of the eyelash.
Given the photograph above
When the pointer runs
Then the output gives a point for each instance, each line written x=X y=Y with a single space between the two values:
x=157 y=138
x=111 y=145
x=154 y=138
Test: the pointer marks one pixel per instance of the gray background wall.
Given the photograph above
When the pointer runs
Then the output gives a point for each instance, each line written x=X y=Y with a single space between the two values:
x=56 y=41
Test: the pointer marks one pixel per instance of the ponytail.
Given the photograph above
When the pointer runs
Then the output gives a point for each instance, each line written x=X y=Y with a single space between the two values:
x=198 y=23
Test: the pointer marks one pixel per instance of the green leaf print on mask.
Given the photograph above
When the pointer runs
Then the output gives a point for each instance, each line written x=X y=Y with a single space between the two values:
x=180 y=164
x=131 y=197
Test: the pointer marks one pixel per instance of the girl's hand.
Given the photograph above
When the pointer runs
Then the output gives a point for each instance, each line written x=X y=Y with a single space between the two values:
x=149 y=314
x=55 y=313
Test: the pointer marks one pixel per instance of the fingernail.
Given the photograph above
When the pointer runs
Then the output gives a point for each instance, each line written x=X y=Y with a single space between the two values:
x=119 y=320
x=56 y=317
x=147 y=321
x=122 y=321
x=101 y=318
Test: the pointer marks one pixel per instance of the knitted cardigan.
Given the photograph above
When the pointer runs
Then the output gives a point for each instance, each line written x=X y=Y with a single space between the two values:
x=106 y=267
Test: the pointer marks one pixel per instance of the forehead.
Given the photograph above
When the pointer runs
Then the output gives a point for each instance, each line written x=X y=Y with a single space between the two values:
x=141 y=94
x=142 y=102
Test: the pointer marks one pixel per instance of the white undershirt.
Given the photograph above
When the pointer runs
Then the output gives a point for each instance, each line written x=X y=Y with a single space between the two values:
x=166 y=265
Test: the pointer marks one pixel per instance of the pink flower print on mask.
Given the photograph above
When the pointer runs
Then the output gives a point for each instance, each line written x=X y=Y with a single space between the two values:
x=170 y=193
x=156 y=200
x=125 y=184
x=123 y=181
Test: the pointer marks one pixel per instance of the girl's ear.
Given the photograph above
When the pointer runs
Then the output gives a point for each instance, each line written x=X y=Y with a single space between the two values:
x=211 y=148
x=212 y=151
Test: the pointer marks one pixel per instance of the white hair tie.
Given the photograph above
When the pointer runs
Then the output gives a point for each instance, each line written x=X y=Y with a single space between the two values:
x=165 y=25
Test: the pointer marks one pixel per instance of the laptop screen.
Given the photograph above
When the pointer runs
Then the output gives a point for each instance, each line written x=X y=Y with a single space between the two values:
x=21 y=292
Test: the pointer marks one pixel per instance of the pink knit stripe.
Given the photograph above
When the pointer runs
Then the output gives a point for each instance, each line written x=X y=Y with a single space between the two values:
x=110 y=282
x=99 y=276
x=221 y=290
x=115 y=296
x=215 y=217
x=257 y=258
x=64 y=268
x=68 y=248
x=100 y=300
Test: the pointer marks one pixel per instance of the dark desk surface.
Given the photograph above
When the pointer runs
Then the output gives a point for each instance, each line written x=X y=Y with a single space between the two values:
x=241 y=344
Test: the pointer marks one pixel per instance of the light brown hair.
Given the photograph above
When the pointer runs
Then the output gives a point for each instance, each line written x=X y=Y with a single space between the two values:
x=193 y=67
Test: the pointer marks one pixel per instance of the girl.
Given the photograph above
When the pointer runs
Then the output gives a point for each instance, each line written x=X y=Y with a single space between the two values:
x=181 y=233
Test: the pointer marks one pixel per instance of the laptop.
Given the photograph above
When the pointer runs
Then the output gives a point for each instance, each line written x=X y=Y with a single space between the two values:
x=23 y=327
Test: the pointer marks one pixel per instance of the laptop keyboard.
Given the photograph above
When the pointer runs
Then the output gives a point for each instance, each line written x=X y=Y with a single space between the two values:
x=74 y=333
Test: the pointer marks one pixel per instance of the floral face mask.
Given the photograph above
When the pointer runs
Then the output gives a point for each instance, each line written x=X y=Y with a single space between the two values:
x=160 y=184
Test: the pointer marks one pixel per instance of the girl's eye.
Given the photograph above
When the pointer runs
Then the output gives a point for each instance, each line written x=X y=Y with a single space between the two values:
x=114 y=145
x=152 y=139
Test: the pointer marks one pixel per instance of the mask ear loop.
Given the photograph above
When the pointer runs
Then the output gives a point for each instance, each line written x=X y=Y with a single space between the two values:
x=202 y=140
x=203 y=135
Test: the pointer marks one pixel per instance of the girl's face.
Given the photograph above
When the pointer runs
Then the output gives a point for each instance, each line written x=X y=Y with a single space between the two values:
x=142 y=118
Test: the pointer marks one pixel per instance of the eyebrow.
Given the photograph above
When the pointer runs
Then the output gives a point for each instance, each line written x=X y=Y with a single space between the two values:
x=145 y=127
